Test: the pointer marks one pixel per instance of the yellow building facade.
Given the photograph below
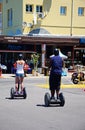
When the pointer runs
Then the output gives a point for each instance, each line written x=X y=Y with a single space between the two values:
x=0 y=18
x=30 y=26
x=57 y=17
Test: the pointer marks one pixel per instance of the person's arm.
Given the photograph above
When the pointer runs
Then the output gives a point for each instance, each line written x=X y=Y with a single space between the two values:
x=26 y=66
x=15 y=65
x=63 y=63
x=50 y=63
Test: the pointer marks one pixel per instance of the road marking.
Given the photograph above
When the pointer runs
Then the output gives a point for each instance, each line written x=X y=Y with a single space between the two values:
x=64 y=86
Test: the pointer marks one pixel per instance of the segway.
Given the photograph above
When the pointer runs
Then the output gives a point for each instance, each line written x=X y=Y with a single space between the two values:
x=13 y=93
x=48 y=101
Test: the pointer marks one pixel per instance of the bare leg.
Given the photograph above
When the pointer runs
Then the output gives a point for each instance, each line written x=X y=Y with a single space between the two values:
x=16 y=83
x=52 y=93
x=21 y=83
x=57 y=93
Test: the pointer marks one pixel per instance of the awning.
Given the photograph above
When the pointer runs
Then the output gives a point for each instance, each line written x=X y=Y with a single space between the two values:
x=82 y=40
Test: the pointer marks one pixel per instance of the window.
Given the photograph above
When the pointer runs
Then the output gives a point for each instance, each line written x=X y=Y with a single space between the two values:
x=38 y=8
x=6 y=1
x=63 y=10
x=29 y=8
x=80 y=11
x=0 y=20
x=0 y=7
x=10 y=16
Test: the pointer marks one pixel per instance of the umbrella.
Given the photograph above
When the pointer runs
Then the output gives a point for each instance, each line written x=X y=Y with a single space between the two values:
x=61 y=55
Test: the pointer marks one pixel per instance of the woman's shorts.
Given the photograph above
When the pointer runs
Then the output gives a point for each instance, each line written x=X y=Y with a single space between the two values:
x=19 y=75
x=55 y=82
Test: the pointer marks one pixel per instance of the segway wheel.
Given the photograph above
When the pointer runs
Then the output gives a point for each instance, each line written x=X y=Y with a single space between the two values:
x=75 y=81
x=12 y=93
x=24 y=93
x=62 y=99
x=47 y=99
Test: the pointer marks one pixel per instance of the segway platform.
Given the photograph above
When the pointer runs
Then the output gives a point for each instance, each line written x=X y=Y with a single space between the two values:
x=13 y=94
x=48 y=101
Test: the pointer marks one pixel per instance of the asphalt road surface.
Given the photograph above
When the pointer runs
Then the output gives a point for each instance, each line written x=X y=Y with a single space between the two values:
x=31 y=113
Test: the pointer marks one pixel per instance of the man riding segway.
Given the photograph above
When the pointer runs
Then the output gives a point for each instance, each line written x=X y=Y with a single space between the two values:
x=56 y=64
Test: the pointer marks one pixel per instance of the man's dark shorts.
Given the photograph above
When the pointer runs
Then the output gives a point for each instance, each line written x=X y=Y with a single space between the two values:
x=55 y=81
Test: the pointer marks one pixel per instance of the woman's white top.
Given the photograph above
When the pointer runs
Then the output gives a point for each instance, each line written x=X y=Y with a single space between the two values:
x=20 y=67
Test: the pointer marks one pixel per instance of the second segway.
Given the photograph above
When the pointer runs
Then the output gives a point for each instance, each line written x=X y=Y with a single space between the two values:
x=18 y=94
x=48 y=101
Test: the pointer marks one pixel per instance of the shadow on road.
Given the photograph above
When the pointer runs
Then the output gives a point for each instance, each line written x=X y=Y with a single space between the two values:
x=51 y=105
x=16 y=98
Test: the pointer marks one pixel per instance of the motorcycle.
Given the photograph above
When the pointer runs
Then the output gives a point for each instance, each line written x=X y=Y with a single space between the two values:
x=78 y=77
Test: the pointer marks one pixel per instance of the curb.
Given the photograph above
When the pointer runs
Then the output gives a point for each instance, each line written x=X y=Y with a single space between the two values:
x=30 y=76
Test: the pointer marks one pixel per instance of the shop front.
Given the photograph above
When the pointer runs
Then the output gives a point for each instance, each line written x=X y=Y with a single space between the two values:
x=10 y=47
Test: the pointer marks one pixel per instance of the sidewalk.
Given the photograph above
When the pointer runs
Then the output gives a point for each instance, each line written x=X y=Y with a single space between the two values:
x=6 y=76
x=30 y=75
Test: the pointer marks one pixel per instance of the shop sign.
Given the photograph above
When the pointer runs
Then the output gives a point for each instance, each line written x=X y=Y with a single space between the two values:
x=12 y=39
x=82 y=41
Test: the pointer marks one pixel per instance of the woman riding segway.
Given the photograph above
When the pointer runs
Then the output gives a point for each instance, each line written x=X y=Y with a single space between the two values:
x=19 y=64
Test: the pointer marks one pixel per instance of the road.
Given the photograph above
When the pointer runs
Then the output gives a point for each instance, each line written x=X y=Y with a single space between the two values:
x=31 y=113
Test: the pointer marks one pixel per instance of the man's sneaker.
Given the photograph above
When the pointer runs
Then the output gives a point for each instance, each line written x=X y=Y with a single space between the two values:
x=52 y=98
x=58 y=99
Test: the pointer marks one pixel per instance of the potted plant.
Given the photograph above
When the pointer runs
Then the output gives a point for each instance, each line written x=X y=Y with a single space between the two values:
x=35 y=58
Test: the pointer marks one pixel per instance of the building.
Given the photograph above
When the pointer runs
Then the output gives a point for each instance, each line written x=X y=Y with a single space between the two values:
x=0 y=18
x=56 y=17
x=42 y=25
